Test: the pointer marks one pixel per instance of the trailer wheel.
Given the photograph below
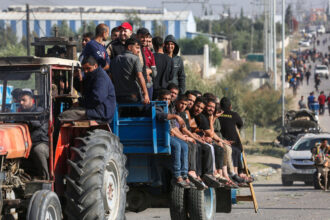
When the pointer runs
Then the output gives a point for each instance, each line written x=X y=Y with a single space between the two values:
x=43 y=205
x=178 y=210
x=96 y=179
x=201 y=204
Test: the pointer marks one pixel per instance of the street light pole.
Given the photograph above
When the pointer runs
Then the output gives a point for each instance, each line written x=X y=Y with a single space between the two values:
x=283 y=61
x=274 y=45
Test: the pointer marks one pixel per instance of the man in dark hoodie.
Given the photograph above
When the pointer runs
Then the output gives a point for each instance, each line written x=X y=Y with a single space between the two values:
x=172 y=49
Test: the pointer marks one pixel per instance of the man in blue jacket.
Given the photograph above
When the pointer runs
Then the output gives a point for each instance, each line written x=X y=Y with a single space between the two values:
x=98 y=101
x=96 y=47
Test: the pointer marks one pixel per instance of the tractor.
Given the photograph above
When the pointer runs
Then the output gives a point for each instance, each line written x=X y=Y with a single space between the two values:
x=86 y=160
x=97 y=170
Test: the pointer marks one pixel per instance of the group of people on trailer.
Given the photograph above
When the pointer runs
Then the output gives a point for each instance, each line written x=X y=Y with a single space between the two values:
x=206 y=148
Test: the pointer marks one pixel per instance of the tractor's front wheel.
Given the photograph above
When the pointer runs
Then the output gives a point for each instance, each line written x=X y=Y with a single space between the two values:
x=44 y=205
x=96 y=179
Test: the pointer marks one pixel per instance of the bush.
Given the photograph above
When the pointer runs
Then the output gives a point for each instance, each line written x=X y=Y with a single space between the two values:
x=13 y=50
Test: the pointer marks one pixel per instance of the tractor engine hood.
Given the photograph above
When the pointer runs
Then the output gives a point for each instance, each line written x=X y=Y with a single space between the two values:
x=15 y=141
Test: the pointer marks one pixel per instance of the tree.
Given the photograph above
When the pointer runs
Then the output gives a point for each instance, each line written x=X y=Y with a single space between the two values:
x=8 y=36
x=242 y=13
x=159 y=28
x=288 y=16
x=134 y=20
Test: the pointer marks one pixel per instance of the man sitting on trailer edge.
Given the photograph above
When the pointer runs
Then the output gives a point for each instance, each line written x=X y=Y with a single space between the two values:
x=98 y=101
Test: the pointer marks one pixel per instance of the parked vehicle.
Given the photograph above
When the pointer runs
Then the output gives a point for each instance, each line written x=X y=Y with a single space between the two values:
x=298 y=123
x=297 y=164
x=304 y=43
x=322 y=71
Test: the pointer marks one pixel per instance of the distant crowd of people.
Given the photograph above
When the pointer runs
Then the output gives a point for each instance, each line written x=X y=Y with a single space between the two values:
x=315 y=104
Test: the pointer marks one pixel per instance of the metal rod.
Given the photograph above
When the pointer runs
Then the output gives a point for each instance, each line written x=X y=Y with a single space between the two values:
x=283 y=61
x=28 y=41
x=274 y=45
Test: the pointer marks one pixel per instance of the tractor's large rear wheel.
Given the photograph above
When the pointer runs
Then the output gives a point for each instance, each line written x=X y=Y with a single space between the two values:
x=96 y=179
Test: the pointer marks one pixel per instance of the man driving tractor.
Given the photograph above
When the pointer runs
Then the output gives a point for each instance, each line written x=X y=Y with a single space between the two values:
x=39 y=136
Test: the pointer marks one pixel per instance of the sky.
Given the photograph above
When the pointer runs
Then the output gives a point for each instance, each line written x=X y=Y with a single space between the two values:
x=217 y=6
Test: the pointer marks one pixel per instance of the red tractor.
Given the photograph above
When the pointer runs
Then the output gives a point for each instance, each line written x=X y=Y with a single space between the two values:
x=86 y=161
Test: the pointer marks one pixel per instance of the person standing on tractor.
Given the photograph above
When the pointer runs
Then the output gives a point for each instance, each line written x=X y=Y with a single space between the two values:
x=163 y=65
x=87 y=37
x=172 y=49
x=147 y=58
x=96 y=47
x=114 y=34
x=39 y=136
x=117 y=47
x=126 y=74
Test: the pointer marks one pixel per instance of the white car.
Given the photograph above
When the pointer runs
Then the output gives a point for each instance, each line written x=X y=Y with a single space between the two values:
x=297 y=164
x=321 y=30
x=322 y=71
x=304 y=43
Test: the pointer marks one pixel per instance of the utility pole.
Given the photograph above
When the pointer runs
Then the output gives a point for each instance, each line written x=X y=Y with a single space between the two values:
x=274 y=45
x=270 y=35
x=28 y=41
x=283 y=61
x=266 y=59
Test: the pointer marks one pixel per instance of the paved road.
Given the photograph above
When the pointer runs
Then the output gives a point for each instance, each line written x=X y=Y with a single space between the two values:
x=275 y=202
x=325 y=86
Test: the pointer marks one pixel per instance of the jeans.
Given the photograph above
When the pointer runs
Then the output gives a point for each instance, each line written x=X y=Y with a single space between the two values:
x=179 y=157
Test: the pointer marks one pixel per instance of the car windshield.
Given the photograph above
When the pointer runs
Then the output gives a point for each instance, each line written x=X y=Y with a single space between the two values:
x=321 y=68
x=307 y=143
x=22 y=91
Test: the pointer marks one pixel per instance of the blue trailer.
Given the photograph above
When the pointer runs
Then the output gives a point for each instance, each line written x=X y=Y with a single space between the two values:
x=147 y=148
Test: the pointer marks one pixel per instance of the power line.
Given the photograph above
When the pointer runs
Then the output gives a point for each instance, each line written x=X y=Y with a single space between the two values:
x=43 y=32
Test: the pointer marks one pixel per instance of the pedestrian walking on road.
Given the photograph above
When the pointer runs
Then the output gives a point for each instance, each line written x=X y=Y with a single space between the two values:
x=328 y=100
x=310 y=100
x=317 y=82
x=321 y=100
x=301 y=103
x=308 y=74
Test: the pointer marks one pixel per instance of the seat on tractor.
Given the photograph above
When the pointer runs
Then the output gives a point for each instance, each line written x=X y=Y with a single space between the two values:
x=143 y=135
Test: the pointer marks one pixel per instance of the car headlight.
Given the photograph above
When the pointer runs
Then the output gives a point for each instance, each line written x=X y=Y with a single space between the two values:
x=286 y=158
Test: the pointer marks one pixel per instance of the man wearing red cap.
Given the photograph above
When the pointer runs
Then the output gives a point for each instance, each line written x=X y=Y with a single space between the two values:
x=117 y=47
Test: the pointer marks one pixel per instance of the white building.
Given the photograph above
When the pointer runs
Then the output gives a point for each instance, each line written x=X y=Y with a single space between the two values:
x=43 y=18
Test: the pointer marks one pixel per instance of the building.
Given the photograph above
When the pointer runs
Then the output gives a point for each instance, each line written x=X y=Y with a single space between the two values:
x=43 y=18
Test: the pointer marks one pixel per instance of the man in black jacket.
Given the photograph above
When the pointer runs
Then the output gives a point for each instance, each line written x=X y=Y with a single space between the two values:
x=164 y=66
x=98 y=101
x=39 y=136
x=117 y=47
x=172 y=49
